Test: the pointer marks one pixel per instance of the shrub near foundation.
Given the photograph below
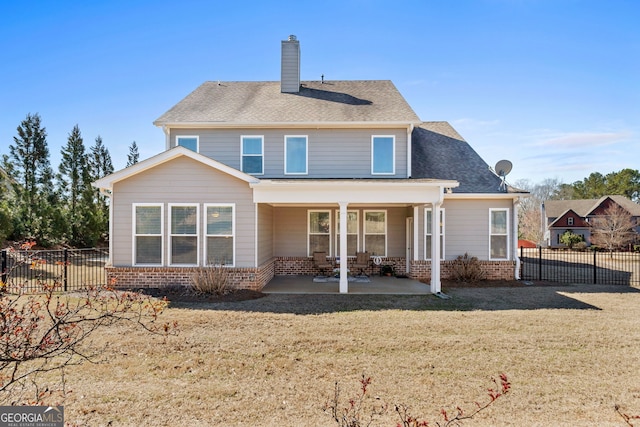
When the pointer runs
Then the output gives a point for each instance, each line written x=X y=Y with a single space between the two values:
x=467 y=268
x=211 y=280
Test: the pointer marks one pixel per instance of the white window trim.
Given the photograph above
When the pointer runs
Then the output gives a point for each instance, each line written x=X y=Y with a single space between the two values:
x=570 y=221
x=357 y=233
x=491 y=210
x=309 y=212
x=427 y=255
x=393 y=160
x=306 y=165
x=197 y=137
x=197 y=234
x=242 y=155
x=364 y=230
x=135 y=235
x=206 y=235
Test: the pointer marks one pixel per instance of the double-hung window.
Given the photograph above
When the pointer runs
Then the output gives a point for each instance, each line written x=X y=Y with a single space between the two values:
x=295 y=155
x=184 y=220
x=352 y=233
x=428 y=218
x=383 y=155
x=375 y=232
x=499 y=233
x=190 y=141
x=148 y=223
x=253 y=155
x=220 y=234
x=319 y=229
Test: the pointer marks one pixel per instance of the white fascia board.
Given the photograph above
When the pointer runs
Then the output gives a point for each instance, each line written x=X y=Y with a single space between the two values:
x=484 y=196
x=108 y=181
x=287 y=125
x=349 y=191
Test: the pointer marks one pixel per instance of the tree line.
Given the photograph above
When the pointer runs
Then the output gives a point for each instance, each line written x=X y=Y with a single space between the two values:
x=625 y=182
x=54 y=208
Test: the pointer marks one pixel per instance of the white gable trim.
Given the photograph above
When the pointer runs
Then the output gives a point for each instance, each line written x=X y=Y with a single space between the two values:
x=166 y=156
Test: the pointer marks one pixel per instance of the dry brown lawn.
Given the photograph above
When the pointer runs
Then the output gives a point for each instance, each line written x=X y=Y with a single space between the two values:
x=571 y=353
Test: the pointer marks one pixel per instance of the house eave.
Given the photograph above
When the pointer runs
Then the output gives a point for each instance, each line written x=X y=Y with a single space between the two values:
x=289 y=125
x=480 y=196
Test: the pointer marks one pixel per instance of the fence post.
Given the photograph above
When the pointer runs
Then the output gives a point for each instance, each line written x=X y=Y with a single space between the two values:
x=64 y=270
x=4 y=266
x=595 y=268
x=540 y=263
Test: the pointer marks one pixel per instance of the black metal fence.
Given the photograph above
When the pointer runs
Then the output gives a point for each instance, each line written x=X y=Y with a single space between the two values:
x=74 y=269
x=569 y=266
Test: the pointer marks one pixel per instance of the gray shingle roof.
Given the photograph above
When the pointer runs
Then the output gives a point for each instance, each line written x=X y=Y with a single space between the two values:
x=439 y=152
x=262 y=102
x=583 y=207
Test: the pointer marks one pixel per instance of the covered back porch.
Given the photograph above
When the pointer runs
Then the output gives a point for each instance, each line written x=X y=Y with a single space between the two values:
x=286 y=201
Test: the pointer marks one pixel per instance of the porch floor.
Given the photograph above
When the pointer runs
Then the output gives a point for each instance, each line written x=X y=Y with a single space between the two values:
x=377 y=285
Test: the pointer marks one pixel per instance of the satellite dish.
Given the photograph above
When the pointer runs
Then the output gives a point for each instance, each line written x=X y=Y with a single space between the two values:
x=503 y=167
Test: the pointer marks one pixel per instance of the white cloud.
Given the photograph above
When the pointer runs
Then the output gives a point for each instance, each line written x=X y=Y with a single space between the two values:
x=578 y=140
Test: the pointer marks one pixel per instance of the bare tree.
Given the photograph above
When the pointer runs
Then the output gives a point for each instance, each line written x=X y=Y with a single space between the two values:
x=613 y=229
x=47 y=333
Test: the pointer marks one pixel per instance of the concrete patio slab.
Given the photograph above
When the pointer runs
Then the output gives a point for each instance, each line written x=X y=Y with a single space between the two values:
x=377 y=286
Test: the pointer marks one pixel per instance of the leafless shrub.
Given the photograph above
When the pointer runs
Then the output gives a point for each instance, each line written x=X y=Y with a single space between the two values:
x=211 y=280
x=467 y=268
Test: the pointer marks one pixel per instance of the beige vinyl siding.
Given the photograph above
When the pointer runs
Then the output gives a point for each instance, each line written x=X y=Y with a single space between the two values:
x=467 y=226
x=332 y=153
x=183 y=180
x=265 y=233
x=290 y=229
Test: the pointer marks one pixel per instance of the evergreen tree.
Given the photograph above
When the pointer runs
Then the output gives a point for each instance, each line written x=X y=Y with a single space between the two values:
x=81 y=209
x=133 y=156
x=100 y=165
x=29 y=166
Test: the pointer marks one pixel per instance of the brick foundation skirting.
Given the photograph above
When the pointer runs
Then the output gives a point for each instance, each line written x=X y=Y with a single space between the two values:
x=256 y=278
x=156 y=277
x=494 y=270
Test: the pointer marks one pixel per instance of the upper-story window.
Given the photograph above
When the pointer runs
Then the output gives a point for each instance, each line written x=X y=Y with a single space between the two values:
x=383 y=155
x=570 y=221
x=191 y=142
x=295 y=154
x=253 y=154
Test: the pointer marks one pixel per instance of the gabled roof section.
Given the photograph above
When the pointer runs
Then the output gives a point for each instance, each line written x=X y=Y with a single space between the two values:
x=565 y=214
x=166 y=156
x=439 y=152
x=584 y=207
x=262 y=103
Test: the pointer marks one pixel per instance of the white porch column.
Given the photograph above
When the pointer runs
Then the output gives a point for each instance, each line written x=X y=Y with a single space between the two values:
x=516 y=205
x=435 y=247
x=344 y=277
x=416 y=237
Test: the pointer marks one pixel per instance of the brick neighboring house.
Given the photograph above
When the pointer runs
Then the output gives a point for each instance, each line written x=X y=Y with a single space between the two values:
x=576 y=216
x=259 y=175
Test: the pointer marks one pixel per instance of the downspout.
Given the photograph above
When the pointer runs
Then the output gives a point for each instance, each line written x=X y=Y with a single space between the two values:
x=109 y=194
x=409 y=144
x=436 y=284
x=167 y=137
x=516 y=205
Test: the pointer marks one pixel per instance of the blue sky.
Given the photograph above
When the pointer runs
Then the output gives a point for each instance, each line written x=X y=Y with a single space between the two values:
x=552 y=85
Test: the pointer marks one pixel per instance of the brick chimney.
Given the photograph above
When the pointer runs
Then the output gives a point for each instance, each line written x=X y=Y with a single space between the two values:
x=290 y=67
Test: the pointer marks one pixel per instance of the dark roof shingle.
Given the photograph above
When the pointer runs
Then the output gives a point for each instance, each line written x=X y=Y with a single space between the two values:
x=439 y=152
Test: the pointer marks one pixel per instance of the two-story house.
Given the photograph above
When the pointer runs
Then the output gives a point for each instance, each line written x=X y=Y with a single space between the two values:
x=577 y=216
x=257 y=176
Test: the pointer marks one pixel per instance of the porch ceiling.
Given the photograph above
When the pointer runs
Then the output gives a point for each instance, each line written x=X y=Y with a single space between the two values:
x=352 y=191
